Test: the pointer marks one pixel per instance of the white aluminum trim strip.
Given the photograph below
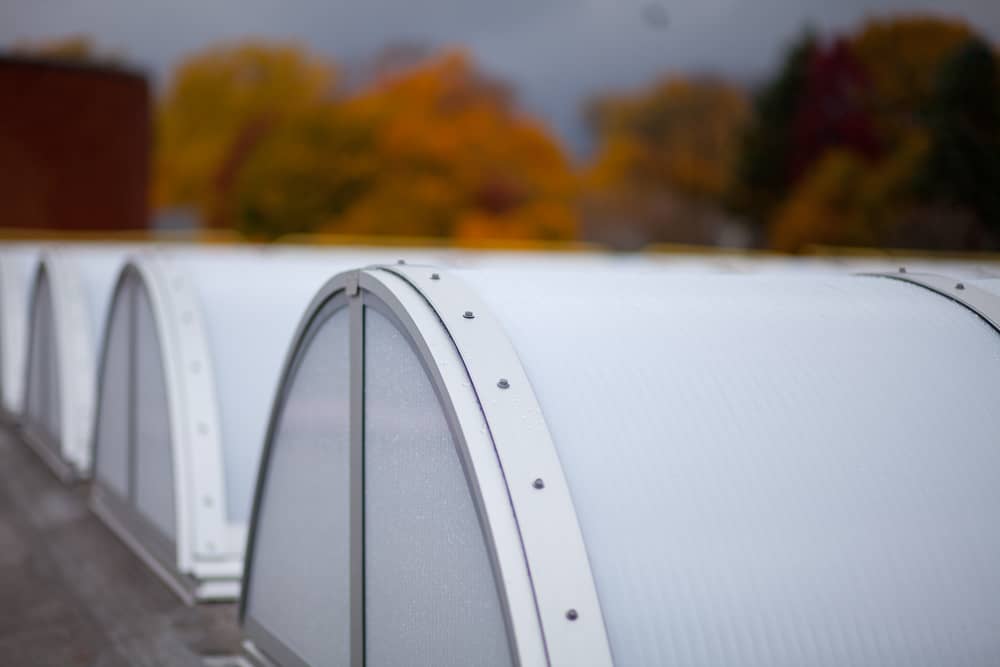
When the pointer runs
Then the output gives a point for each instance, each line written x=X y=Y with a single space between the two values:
x=561 y=577
x=981 y=302
x=203 y=532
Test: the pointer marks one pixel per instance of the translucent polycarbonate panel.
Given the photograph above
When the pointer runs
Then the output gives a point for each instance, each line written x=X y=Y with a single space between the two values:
x=430 y=596
x=250 y=305
x=991 y=285
x=298 y=589
x=34 y=399
x=151 y=447
x=17 y=267
x=43 y=406
x=772 y=471
x=114 y=398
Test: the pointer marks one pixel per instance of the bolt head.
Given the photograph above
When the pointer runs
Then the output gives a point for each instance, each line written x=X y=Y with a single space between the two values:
x=468 y=315
x=538 y=483
x=503 y=383
x=435 y=276
x=959 y=286
x=572 y=615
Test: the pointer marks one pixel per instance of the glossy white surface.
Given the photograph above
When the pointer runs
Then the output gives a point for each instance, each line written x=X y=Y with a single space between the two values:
x=772 y=470
x=430 y=595
x=299 y=580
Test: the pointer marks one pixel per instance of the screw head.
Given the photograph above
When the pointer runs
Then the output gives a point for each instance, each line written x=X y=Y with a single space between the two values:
x=468 y=315
x=435 y=276
x=959 y=286
x=572 y=615
x=538 y=483
x=503 y=383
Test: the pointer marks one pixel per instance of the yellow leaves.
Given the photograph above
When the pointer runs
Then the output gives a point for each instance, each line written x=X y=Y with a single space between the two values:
x=217 y=104
x=680 y=135
x=454 y=159
x=844 y=200
x=254 y=136
x=902 y=57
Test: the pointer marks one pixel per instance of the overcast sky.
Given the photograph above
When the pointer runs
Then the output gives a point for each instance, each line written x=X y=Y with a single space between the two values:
x=556 y=52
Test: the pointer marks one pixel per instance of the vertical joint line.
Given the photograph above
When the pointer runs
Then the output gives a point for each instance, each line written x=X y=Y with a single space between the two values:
x=131 y=383
x=357 y=480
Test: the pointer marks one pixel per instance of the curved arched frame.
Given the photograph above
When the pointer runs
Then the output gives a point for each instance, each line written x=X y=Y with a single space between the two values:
x=984 y=304
x=67 y=452
x=531 y=531
x=205 y=561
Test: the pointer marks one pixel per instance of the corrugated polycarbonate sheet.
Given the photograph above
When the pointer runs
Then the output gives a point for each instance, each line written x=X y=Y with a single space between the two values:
x=430 y=596
x=251 y=303
x=772 y=471
x=991 y=285
x=300 y=573
x=152 y=445
x=43 y=402
x=114 y=406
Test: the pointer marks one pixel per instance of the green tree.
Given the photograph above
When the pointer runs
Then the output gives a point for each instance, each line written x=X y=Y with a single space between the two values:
x=763 y=169
x=962 y=167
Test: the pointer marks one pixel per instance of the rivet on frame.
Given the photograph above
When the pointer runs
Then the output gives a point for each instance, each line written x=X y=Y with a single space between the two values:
x=435 y=276
x=572 y=614
x=960 y=286
x=538 y=483
x=400 y=261
x=503 y=383
x=468 y=315
x=902 y=269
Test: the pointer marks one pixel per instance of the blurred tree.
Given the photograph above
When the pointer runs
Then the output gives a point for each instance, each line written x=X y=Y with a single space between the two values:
x=902 y=56
x=962 y=167
x=452 y=157
x=832 y=111
x=846 y=199
x=764 y=171
x=299 y=175
x=220 y=105
x=664 y=158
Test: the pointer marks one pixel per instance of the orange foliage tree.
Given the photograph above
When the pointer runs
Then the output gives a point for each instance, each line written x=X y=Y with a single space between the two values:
x=665 y=156
x=258 y=137
x=453 y=157
x=219 y=108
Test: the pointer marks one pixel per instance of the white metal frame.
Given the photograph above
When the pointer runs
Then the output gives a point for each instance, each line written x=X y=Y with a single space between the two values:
x=207 y=562
x=980 y=301
x=75 y=359
x=531 y=529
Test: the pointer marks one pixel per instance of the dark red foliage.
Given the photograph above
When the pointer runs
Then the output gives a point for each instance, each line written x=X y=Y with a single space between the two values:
x=833 y=111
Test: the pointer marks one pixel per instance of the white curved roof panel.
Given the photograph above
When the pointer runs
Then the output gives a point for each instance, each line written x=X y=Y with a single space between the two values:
x=220 y=321
x=666 y=468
